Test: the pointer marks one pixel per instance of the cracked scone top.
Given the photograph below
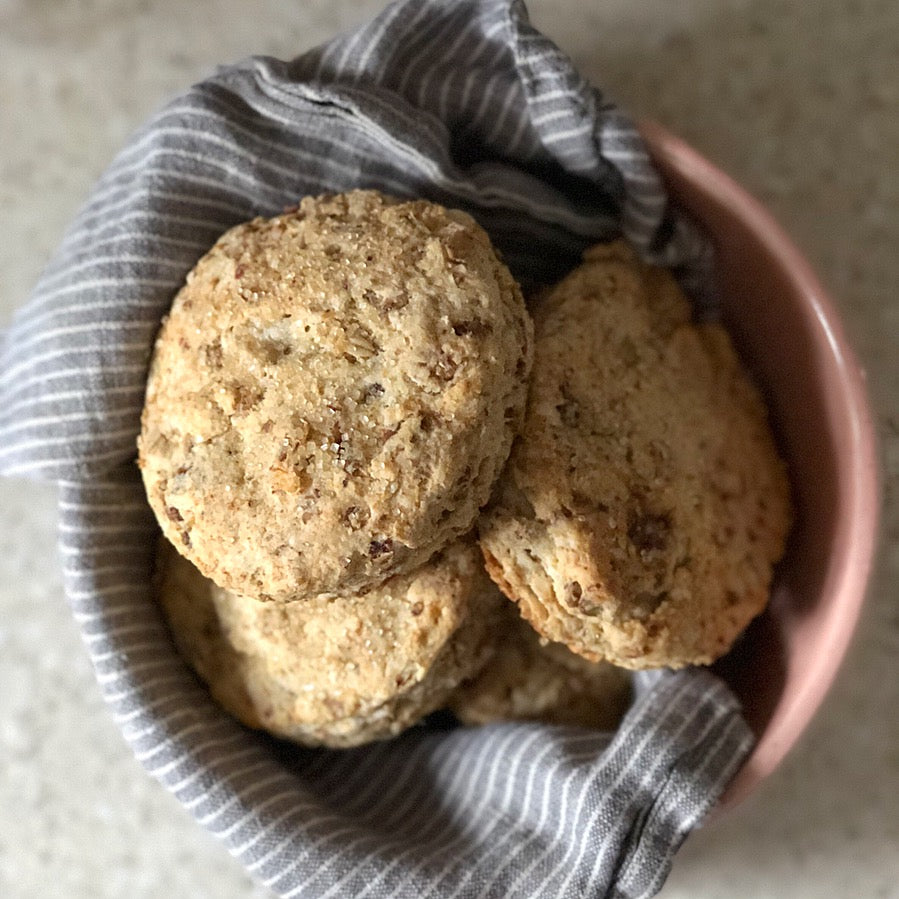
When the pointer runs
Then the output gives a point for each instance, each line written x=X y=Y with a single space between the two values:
x=333 y=394
x=644 y=505
x=335 y=671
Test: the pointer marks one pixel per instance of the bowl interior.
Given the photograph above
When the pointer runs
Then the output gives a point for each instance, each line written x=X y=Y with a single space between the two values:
x=790 y=337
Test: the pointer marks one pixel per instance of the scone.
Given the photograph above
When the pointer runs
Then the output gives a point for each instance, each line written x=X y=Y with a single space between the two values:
x=642 y=509
x=335 y=671
x=529 y=679
x=333 y=395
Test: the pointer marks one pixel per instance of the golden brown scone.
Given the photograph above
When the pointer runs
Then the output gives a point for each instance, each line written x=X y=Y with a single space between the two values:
x=335 y=671
x=644 y=505
x=333 y=395
x=530 y=679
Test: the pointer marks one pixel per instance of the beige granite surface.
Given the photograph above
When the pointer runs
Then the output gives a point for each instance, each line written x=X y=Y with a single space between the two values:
x=799 y=101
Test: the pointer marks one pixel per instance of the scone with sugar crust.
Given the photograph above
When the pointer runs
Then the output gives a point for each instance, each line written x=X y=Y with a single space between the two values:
x=333 y=395
x=644 y=505
x=335 y=671
x=529 y=679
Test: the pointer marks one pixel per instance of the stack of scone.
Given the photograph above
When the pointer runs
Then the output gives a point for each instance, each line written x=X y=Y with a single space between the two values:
x=329 y=416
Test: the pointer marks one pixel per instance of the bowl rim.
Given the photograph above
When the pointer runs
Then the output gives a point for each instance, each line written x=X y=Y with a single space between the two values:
x=859 y=484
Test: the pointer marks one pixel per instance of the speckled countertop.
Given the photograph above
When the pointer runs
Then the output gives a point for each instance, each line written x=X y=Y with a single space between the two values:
x=798 y=100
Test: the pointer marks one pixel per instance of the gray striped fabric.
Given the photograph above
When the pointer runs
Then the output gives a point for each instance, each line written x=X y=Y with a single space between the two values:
x=467 y=104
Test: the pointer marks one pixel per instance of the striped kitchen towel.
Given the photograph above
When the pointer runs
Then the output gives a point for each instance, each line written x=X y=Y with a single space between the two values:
x=464 y=103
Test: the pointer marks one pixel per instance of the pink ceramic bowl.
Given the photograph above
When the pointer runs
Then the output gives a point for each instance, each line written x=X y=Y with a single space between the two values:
x=789 y=334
